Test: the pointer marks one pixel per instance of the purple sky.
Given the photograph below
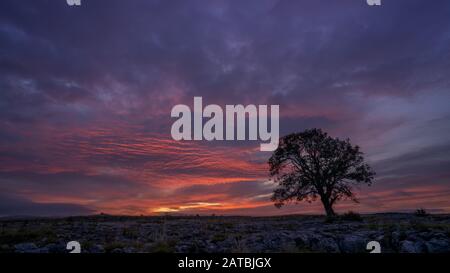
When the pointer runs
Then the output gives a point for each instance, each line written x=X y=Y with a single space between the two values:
x=86 y=94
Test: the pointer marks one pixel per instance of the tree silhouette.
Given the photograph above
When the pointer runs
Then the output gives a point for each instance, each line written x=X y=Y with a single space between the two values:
x=312 y=164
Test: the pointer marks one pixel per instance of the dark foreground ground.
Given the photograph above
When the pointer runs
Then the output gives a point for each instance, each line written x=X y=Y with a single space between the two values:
x=394 y=232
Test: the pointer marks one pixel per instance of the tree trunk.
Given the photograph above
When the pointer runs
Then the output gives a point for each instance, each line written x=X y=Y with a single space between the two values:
x=328 y=207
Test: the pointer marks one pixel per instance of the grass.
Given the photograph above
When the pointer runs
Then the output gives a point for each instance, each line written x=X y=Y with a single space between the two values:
x=239 y=246
x=162 y=247
x=219 y=237
x=21 y=235
x=131 y=232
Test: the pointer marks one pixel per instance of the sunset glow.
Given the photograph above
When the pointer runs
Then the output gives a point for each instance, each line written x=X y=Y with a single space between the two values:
x=86 y=98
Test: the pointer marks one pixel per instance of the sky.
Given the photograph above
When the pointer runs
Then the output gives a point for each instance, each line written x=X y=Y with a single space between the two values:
x=86 y=94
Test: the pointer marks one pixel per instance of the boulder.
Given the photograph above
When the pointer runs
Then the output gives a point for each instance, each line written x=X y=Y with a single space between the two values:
x=56 y=248
x=353 y=244
x=316 y=242
x=97 y=249
x=117 y=250
x=408 y=247
x=328 y=245
x=26 y=248
x=438 y=246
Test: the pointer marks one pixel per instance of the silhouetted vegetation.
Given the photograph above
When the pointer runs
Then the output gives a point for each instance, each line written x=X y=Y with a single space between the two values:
x=421 y=212
x=351 y=216
x=311 y=165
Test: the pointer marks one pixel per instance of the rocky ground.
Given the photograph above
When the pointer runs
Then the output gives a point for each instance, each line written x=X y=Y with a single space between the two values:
x=102 y=233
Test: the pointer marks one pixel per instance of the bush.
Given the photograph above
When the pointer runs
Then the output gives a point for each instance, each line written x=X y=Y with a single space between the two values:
x=351 y=216
x=421 y=212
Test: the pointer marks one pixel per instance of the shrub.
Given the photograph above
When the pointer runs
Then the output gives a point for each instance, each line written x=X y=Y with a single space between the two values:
x=421 y=212
x=351 y=216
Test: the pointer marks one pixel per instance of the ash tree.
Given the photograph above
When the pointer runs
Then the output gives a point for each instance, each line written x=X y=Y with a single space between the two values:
x=311 y=165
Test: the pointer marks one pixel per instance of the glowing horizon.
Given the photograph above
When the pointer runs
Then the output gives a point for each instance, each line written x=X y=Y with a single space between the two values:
x=86 y=96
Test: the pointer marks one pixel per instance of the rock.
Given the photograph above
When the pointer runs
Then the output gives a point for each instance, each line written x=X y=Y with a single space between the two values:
x=396 y=238
x=424 y=235
x=41 y=250
x=438 y=246
x=26 y=248
x=317 y=243
x=413 y=236
x=129 y=250
x=97 y=249
x=56 y=248
x=284 y=234
x=439 y=235
x=353 y=244
x=328 y=245
x=302 y=241
x=211 y=248
x=408 y=247
x=380 y=237
x=148 y=247
x=117 y=250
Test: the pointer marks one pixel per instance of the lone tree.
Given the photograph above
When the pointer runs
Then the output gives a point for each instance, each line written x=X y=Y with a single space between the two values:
x=312 y=164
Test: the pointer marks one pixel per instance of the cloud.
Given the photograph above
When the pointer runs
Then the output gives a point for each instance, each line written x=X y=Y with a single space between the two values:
x=247 y=189
x=86 y=94
x=11 y=205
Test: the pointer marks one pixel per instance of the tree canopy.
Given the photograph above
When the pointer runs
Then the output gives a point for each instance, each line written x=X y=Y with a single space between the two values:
x=311 y=165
